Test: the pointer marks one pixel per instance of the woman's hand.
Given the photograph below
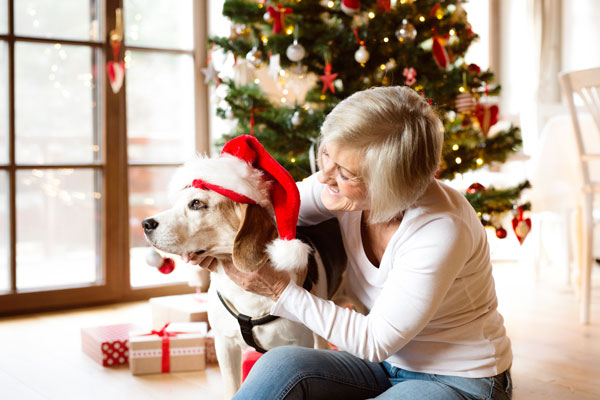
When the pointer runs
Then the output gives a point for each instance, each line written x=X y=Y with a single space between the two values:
x=266 y=281
x=206 y=262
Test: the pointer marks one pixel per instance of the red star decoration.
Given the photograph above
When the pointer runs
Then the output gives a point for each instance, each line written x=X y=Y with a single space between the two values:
x=328 y=79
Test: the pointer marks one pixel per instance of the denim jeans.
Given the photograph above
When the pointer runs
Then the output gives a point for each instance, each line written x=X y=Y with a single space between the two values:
x=291 y=372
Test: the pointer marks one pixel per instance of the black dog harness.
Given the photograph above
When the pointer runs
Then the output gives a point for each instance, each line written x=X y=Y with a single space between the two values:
x=247 y=323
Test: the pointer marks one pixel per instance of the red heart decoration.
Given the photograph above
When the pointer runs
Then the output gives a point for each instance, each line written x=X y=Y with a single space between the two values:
x=521 y=228
x=116 y=73
x=487 y=115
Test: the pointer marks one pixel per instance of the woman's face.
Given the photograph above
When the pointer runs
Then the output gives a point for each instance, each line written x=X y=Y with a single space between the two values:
x=345 y=189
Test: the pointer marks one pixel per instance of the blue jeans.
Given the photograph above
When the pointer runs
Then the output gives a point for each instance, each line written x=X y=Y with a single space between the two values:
x=291 y=372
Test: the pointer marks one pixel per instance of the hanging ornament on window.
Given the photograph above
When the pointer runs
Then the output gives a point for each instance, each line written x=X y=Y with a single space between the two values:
x=406 y=32
x=521 y=225
x=116 y=69
x=361 y=55
x=164 y=265
x=254 y=57
x=295 y=51
x=410 y=76
x=296 y=119
x=350 y=7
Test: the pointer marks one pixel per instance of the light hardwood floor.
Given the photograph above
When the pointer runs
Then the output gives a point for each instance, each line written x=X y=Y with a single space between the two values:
x=555 y=357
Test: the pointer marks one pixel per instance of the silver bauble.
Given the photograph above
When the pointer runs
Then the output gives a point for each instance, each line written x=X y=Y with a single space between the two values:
x=295 y=52
x=406 y=32
x=362 y=55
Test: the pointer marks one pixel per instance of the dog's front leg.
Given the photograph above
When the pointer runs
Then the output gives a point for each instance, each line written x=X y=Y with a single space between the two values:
x=229 y=355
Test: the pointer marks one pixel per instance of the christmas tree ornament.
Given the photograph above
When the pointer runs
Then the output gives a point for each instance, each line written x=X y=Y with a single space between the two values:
x=406 y=32
x=254 y=57
x=295 y=52
x=278 y=14
x=350 y=7
x=521 y=226
x=296 y=120
x=267 y=17
x=164 y=265
x=385 y=5
x=410 y=76
x=211 y=75
x=327 y=78
x=440 y=55
x=274 y=66
x=361 y=55
x=243 y=73
x=500 y=233
x=475 y=188
x=487 y=116
x=465 y=102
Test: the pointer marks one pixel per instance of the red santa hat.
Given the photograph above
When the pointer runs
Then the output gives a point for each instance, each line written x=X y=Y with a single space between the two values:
x=246 y=173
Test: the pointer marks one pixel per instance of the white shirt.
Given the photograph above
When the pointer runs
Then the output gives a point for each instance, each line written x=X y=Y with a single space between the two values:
x=432 y=301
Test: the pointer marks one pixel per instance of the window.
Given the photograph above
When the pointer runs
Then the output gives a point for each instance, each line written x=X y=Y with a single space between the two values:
x=80 y=165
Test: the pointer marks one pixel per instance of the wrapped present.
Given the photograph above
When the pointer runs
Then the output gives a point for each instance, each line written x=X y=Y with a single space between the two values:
x=211 y=353
x=108 y=345
x=249 y=358
x=180 y=308
x=174 y=348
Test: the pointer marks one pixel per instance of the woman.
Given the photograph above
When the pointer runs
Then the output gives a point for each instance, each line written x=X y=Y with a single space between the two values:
x=418 y=259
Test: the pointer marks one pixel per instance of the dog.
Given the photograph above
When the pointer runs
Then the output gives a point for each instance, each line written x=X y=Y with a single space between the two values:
x=203 y=222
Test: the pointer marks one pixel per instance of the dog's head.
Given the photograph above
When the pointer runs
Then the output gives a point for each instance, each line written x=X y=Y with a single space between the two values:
x=202 y=221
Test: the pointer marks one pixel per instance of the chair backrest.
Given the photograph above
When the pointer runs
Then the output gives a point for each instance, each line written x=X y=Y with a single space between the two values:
x=585 y=84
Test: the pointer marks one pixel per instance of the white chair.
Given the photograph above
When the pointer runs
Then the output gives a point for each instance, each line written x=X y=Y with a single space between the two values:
x=586 y=85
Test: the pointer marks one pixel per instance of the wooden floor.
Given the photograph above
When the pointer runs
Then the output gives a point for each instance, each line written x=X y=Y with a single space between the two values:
x=555 y=357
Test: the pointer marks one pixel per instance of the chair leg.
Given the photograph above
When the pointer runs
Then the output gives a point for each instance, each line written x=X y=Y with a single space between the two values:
x=567 y=226
x=587 y=259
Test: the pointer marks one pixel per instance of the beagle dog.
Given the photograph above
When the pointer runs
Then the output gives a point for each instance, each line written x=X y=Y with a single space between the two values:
x=203 y=222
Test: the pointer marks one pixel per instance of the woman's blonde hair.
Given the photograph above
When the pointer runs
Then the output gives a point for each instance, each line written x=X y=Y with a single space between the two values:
x=398 y=135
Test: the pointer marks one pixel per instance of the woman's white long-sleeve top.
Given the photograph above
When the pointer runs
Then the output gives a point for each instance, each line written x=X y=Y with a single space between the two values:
x=432 y=301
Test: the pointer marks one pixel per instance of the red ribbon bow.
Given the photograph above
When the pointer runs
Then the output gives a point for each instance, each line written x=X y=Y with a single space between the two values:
x=166 y=345
x=278 y=15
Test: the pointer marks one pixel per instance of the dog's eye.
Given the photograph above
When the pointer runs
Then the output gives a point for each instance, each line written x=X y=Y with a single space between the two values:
x=197 y=205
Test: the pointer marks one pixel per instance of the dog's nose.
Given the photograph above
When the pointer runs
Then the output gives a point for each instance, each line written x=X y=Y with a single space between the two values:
x=149 y=224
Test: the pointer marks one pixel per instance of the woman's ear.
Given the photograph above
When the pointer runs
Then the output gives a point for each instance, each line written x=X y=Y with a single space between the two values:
x=255 y=232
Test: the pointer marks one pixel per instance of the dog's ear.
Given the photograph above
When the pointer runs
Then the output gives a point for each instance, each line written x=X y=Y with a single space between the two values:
x=255 y=232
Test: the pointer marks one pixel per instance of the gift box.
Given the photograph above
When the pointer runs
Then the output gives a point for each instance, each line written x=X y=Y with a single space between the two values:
x=180 y=308
x=107 y=345
x=211 y=353
x=249 y=358
x=176 y=347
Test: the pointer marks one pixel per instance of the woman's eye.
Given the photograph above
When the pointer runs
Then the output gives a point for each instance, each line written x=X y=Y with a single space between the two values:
x=197 y=205
x=341 y=174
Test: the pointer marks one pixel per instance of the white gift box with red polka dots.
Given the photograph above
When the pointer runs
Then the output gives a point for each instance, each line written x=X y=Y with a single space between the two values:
x=109 y=344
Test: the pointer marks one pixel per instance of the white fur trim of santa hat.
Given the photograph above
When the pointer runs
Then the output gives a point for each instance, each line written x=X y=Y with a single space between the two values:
x=288 y=255
x=226 y=171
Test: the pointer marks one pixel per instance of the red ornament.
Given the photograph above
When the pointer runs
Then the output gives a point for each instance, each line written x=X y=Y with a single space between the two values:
x=385 y=5
x=500 y=233
x=167 y=266
x=278 y=15
x=411 y=76
x=440 y=55
x=487 y=115
x=350 y=7
x=474 y=69
x=475 y=188
x=521 y=225
x=328 y=79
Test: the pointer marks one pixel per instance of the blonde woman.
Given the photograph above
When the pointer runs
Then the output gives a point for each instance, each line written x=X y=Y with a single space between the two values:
x=418 y=259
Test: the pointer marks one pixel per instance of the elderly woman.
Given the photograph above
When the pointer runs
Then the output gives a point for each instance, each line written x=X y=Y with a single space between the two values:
x=418 y=259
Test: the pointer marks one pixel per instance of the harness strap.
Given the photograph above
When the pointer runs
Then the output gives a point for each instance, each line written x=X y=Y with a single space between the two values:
x=246 y=323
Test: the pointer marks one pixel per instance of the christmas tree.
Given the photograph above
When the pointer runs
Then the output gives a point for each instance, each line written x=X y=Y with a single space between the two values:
x=334 y=48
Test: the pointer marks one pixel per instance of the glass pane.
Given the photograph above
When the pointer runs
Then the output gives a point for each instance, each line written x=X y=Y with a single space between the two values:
x=148 y=197
x=3 y=16
x=160 y=107
x=73 y=19
x=55 y=104
x=166 y=24
x=58 y=227
x=3 y=102
x=4 y=234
